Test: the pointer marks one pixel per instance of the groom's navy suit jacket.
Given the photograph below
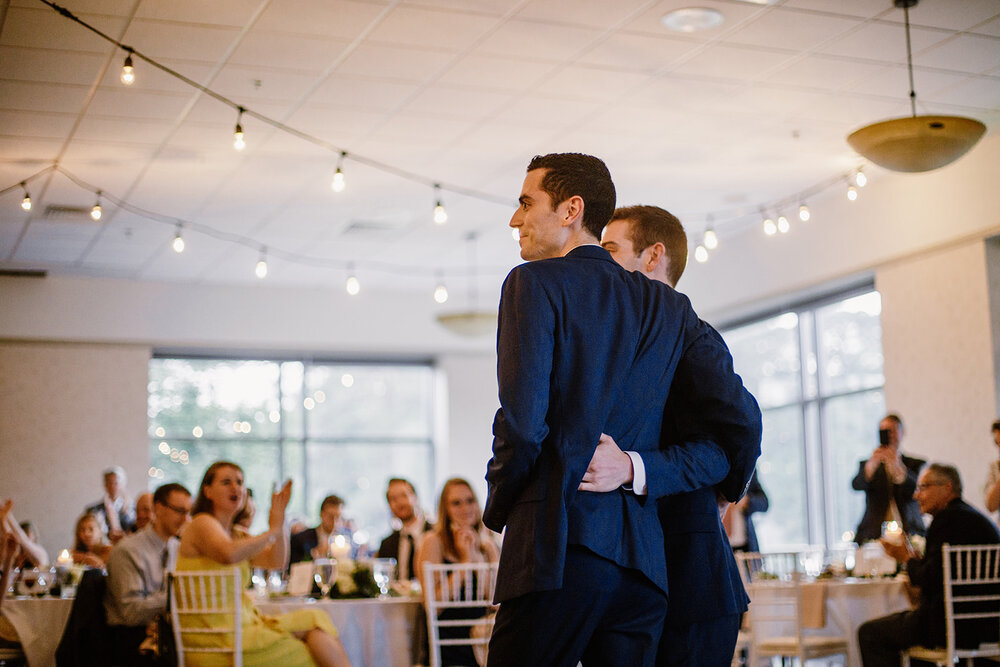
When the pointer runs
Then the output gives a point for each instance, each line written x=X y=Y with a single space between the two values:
x=585 y=347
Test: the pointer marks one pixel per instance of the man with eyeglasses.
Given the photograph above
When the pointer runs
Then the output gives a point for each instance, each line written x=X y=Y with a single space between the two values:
x=939 y=493
x=136 y=591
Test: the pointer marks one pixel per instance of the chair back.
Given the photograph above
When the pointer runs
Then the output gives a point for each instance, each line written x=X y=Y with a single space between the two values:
x=85 y=640
x=972 y=598
x=458 y=597
x=206 y=612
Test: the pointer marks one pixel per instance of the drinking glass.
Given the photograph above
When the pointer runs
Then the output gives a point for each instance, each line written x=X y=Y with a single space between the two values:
x=28 y=582
x=324 y=573
x=384 y=573
x=275 y=583
x=259 y=582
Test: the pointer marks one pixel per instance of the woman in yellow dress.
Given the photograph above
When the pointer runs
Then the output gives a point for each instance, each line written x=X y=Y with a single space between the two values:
x=210 y=542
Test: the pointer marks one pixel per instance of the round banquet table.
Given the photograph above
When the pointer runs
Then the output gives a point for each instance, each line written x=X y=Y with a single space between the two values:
x=840 y=606
x=375 y=633
x=39 y=623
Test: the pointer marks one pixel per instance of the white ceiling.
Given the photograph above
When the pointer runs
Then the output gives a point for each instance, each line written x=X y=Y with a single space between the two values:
x=461 y=92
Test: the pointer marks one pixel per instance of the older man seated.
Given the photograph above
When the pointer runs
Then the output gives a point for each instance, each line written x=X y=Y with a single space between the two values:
x=136 y=591
x=939 y=493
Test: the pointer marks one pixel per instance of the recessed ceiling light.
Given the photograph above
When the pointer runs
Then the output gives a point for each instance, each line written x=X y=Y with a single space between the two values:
x=692 y=19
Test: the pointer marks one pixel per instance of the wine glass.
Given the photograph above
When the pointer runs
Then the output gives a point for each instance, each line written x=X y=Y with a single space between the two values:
x=28 y=582
x=324 y=572
x=383 y=572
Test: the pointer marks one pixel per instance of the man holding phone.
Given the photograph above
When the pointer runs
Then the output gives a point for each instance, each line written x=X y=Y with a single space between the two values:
x=888 y=479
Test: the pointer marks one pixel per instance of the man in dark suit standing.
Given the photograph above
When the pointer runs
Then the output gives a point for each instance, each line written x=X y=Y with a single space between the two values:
x=939 y=493
x=888 y=479
x=584 y=347
x=402 y=544
x=706 y=596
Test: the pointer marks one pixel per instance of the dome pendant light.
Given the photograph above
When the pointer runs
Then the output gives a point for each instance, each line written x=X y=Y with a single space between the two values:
x=916 y=143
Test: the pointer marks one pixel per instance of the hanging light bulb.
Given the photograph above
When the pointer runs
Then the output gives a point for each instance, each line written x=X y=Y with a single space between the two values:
x=178 y=244
x=710 y=240
x=440 y=293
x=128 y=72
x=804 y=214
x=440 y=215
x=261 y=269
x=353 y=286
x=769 y=227
x=783 y=225
x=860 y=179
x=852 y=193
x=26 y=202
x=238 y=142
x=95 y=213
x=701 y=254
x=338 y=184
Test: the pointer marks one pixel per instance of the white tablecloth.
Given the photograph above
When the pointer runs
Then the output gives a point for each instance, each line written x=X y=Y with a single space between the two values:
x=849 y=603
x=39 y=623
x=375 y=633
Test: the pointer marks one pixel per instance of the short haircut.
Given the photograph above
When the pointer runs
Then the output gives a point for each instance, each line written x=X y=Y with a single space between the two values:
x=163 y=492
x=575 y=174
x=331 y=501
x=652 y=224
x=400 y=480
x=895 y=418
x=116 y=470
x=996 y=426
x=946 y=473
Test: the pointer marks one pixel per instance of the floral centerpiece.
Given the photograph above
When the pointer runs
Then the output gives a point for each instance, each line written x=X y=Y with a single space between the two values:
x=354 y=579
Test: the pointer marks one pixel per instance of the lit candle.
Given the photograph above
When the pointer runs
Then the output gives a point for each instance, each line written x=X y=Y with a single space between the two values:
x=339 y=548
x=893 y=532
x=65 y=559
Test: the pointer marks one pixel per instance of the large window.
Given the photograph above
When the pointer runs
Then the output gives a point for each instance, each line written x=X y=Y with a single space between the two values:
x=342 y=428
x=817 y=373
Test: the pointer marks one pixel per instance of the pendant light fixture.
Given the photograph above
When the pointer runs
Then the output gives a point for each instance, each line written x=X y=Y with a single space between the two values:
x=916 y=143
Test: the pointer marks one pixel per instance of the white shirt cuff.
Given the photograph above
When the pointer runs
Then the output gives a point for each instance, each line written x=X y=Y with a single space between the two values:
x=638 y=474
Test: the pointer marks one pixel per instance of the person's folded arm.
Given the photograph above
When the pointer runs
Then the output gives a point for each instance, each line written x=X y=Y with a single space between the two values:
x=127 y=589
x=525 y=339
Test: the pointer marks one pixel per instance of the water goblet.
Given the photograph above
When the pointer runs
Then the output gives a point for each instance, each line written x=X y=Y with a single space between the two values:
x=324 y=573
x=27 y=583
x=383 y=572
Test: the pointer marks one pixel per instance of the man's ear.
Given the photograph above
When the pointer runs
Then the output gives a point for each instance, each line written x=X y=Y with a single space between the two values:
x=656 y=258
x=573 y=210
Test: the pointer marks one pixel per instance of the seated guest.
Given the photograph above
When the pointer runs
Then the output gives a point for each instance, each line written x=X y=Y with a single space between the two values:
x=458 y=537
x=939 y=493
x=313 y=543
x=210 y=542
x=115 y=511
x=15 y=545
x=991 y=494
x=402 y=543
x=143 y=511
x=246 y=514
x=136 y=592
x=29 y=560
x=90 y=546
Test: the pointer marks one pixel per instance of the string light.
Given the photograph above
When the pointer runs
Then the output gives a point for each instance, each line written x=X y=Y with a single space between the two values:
x=441 y=293
x=710 y=239
x=261 y=269
x=128 y=72
x=26 y=202
x=701 y=254
x=804 y=214
x=769 y=227
x=238 y=142
x=440 y=215
x=178 y=244
x=860 y=179
x=783 y=225
x=852 y=193
x=353 y=285
x=95 y=213
x=338 y=184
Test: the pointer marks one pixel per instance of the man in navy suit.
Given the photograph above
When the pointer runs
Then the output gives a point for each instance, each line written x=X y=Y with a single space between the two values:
x=584 y=348
x=706 y=596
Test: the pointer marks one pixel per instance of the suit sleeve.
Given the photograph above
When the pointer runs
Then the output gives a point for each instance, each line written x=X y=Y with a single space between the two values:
x=718 y=415
x=525 y=342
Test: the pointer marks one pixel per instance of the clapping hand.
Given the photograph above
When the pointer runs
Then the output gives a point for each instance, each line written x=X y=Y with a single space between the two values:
x=279 y=502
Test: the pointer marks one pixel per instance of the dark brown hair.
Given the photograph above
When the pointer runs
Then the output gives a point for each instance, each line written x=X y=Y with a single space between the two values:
x=575 y=174
x=651 y=224
x=201 y=503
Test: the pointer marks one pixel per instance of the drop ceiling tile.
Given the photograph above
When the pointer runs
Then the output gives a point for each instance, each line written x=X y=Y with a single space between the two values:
x=204 y=43
x=59 y=67
x=820 y=72
x=638 y=52
x=37 y=26
x=302 y=54
x=735 y=15
x=31 y=96
x=980 y=92
x=991 y=28
x=591 y=83
x=799 y=31
x=845 y=8
x=599 y=15
x=537 y=41
x=496 y=74
x=137 y=104
x=42 y=125
x=894 y=82
x=458 y=101
x=773 y=100
x=381 y=61
x=233 y=13
x=422 y=27
x=344 y=19
x=732 y=63
x=674 y=91
x=362 y=93
x=955 y=15
x=965 y=53
x=883 y=42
